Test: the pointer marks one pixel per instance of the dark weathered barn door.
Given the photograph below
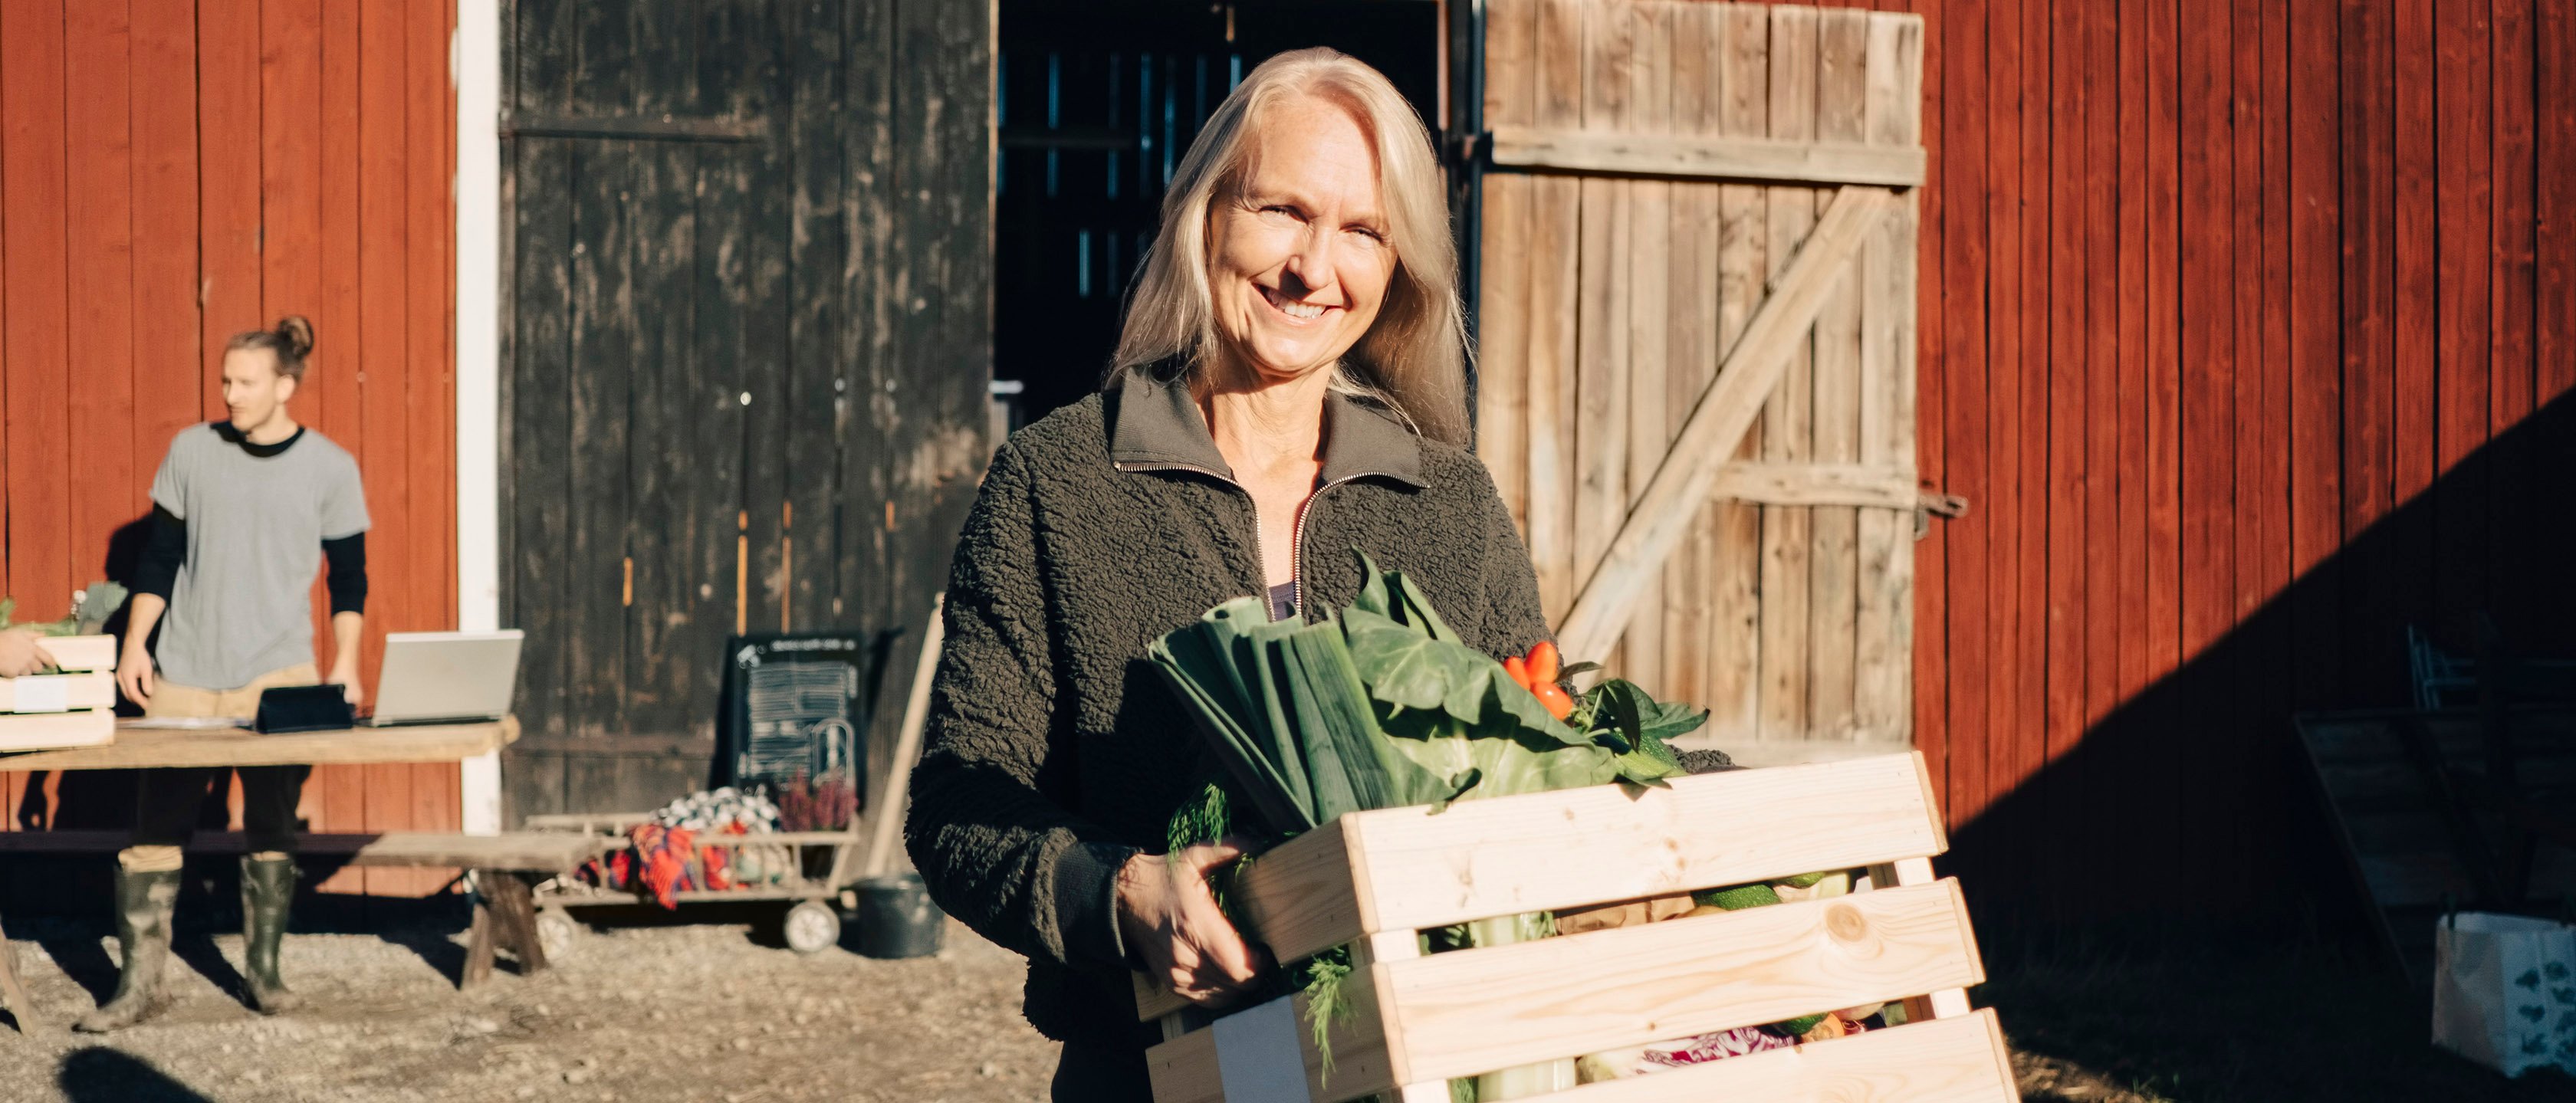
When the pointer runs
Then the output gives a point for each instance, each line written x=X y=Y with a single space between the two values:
x=747 y=285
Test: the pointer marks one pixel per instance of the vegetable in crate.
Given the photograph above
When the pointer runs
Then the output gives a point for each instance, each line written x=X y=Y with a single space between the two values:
x=1381 y=705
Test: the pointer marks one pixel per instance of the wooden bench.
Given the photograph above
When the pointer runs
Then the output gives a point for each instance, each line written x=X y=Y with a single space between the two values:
x=1375 y=880
x=498 y=866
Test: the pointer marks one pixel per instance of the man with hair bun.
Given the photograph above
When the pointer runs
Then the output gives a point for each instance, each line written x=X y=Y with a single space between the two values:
x=244 y=512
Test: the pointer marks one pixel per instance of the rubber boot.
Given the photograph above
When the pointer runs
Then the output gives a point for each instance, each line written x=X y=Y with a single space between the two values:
x=143 y=904
x=267 y=889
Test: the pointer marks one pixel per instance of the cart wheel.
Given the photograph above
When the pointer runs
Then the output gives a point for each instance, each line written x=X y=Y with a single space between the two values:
x=812 y=927
x=556 y=933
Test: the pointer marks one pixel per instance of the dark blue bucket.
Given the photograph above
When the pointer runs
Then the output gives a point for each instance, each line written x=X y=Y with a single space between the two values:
x=896 y=918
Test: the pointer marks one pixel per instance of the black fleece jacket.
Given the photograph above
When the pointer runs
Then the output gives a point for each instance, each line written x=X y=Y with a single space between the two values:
x=1053 y=751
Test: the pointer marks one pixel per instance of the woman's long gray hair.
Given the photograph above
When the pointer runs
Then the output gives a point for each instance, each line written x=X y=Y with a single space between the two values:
x=1413 y=359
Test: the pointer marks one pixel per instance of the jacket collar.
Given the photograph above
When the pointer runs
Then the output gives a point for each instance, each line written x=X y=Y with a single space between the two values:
x=1159 y=427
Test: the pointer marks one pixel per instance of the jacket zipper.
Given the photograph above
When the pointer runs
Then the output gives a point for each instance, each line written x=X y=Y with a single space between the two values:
x=1297 y=543
x=1296 y=535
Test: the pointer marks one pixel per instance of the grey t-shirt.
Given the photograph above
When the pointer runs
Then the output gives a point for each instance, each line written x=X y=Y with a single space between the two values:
x=242 y=605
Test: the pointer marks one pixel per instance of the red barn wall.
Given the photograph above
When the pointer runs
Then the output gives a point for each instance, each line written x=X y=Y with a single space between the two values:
x=2247 y=329
x=172 y=173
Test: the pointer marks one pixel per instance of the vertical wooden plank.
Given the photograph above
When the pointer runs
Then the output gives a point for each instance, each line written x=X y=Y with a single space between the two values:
x=2413 y=433
x=2087 y=33
x=334 y=797
x=2066 y=380
x=604 y=350
x=2465 y=235
x=1555 y=281
x=1842 y=42
x=1883 y=630
x=1502 y=309
x=36 y=350
x=2149 y=802
x=2103 y=829
x=1690 y=344
x=1734 y=561
x=2198 y=819
x=2131 y=266
x=539 y=397
x=2264 y=474
x=382 y=430
x=163 y=113
x=1930 y=606
x=228 y=153
x=1651 y=231
x=290 y=162
x=818 y=250
x=738 y=80
x=2005 y=519
x=1930 y=599
x=1969 y=133
x=99 y=225
x=687 y=498
x=2023 y=689
x=2316 y=345
x=606 y=346
x=2413 y=455
x=2369 y=226
x=429 y=313
x=2510 y=546
x=1601 y=321
x=1787 y=425
x=2257 y=497
x=2546 y=456
x=430 y=384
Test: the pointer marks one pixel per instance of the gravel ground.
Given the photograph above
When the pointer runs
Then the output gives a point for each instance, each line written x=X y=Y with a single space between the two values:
x=644 y=1009
x=682 y=1013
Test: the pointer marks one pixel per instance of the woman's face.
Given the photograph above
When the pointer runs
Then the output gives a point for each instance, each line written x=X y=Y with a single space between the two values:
x=1299 y=257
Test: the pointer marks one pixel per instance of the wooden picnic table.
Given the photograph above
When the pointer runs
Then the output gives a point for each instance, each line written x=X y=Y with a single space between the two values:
x=149 y=748
x=152 y=748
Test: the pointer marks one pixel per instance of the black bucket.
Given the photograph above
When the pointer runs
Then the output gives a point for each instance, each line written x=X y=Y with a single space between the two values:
x=897 y=919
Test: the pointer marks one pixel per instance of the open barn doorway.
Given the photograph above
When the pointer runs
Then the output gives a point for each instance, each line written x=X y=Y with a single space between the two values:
x=1097 y=103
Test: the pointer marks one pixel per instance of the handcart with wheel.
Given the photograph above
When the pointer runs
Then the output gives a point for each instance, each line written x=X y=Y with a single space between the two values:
x=824 y=865
x=827 y=866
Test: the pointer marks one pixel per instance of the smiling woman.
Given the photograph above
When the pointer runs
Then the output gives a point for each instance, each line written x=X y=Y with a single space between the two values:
x=1313 y=191
x=1289 y=379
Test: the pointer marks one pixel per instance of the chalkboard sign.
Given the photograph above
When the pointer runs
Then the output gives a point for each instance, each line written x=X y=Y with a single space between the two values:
x=798 y=705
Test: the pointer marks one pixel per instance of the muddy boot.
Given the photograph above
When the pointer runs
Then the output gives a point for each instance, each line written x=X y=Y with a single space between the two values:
x=143 y=904
x=267 y=888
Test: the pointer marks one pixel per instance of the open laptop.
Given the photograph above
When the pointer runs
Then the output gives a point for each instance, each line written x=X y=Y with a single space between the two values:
x=447 y=677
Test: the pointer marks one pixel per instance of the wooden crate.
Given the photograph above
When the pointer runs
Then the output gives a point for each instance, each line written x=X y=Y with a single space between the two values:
x=40 y=731
x=58 y=692
x=1376 y=879
x=81 y=653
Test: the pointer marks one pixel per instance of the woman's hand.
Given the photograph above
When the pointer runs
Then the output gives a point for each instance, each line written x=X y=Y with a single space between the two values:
x=1169 y=916
x=20 y=655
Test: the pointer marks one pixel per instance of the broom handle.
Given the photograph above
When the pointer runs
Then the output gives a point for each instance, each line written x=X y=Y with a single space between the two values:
x=907 y=746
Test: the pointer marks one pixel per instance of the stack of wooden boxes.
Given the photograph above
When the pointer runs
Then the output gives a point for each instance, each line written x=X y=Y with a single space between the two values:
x=73 y=708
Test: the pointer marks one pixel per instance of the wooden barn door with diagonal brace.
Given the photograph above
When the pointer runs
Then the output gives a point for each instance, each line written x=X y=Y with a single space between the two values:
x=1696 y=310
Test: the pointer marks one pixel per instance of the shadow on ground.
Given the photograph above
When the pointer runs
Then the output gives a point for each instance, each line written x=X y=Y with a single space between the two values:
x=2147 y=1019
x=102 y=1075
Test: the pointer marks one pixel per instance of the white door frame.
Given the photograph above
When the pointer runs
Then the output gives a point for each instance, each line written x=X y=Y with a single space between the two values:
x=474 y=66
